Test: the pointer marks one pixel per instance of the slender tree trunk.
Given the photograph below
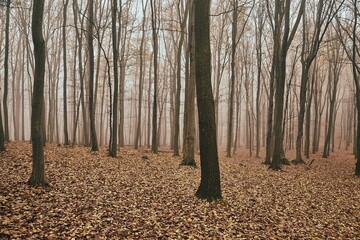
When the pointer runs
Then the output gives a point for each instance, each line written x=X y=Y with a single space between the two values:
x=6 y=71
x=178 y=79
x=141 y=79
x=90 y=27
x=113 y=146
x=154 y=145
x=189 y=113
x=2 y=135
x=232 y=78
x=66 y=135
x=259 y=35
x=308 y=119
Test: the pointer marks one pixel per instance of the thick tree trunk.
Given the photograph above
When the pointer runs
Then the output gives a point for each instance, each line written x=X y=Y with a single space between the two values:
x=210 y=173
x=38 y=164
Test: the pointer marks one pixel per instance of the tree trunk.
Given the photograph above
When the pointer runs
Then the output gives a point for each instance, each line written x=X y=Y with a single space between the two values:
x=113 y=146
x=210 y=173
x=282 y=15
x=189 y=113
x=38 y=164
x=154 y=145
x=6 y=71
x=90 y=27
x=66 y=135
x=2 y=135
x=232 y=78
x=141 y=79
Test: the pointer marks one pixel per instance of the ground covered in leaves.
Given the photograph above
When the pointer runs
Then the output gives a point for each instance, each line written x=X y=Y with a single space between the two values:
x=140 y=195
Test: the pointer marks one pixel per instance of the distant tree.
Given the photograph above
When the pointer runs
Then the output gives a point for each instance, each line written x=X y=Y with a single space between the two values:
x=234 y=42
x=209 y=188
x=178 y=76
x=38 y=164
x=283 y=37
x=348 y=33
x=2 y=135
x=6 y=70
x=141 y=77
x=313 y=35
x=259 y=25
x=335 y=66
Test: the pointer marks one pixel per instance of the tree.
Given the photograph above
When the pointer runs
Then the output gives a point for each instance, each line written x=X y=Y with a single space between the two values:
x=259 y=24
x=234 y=42
x=2 y=135
x=66 y=135
x=90 y=27
x=141 y=77
x=350 y=41
x=209 y=188
x=113 y=142
x=154 y=142
x=6 y=71
x=38 y=164
x=335 y=66
x=189 y=109
x=325 y=13
x=283 y=37
x=178 y=76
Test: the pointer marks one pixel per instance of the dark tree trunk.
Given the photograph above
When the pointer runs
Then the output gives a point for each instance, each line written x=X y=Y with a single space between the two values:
x=210 y=173
x=66 y=135
x=282 y=14
x=154 y=142
x=90 y=27
x=6 y=71
x=38 y=164
x=113 y=146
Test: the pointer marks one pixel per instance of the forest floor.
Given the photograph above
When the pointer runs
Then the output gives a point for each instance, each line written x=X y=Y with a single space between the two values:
x=140 y=195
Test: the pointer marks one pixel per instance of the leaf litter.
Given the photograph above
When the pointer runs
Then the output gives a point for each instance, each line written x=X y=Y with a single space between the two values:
x=140 y=195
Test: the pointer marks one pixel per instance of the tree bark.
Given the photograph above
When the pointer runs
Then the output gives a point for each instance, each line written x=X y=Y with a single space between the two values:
x=154 y=144
x=38 y=164
x=209 y=188
x=113 y=146
x=6 y=71
x=141 y=79
x=282 y=15
x=178 y=78
x=232 y=78
x=189 y=113
x=66 y=135
x=90 y=27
